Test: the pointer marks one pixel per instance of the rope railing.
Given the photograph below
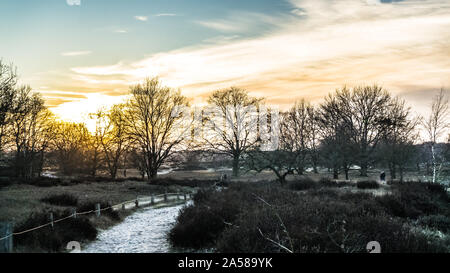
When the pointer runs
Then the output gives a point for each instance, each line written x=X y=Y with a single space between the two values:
x=73 y=215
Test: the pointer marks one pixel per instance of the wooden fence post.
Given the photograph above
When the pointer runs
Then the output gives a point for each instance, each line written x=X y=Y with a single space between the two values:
x=74 y=213
x=6 y=245
x=123 y=206
x=137 y=203
x=185 y=197
x=153 y=199
x=97 y=210
x=51 y=219
x=165 y=197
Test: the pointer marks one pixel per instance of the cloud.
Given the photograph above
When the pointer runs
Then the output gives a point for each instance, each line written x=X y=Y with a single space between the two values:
x=141 y=18
x=73 y=2
x=120 y=31
x=75 y=53
x=165 y=15
x=241 y=22
x=319 y=46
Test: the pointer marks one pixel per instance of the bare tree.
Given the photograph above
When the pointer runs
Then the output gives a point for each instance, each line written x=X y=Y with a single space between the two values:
x=436 y=124
x=69 y=144
x=397 y=145
x=337 y=149
x=360 y=111
x=114 y=138
x=31 y=125
x=313 y=137
x=94 y=149
x=8 y=81
x=296 y=133
x=154 y=121
x=232 y=124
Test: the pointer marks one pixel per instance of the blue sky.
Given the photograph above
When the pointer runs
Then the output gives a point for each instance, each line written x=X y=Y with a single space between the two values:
x=109 y=28
x=79 y=56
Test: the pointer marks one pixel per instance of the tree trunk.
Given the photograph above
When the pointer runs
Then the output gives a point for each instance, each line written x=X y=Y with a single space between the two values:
x=434 y=163
x=114 y=174
x=401 y=174
x=282 y=179
x=335 y=173
x=153 y=174
x=363 y=168
x=316 y=171
x=236 y=166
x=392 y=171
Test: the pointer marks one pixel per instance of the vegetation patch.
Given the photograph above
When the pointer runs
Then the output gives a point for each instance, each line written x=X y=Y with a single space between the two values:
x=53 y=239
x=64 y=199
x=367 y=185
x=302 y=184
x=269 y=219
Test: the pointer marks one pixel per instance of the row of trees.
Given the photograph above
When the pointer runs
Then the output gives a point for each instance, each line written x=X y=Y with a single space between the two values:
x=360 y=126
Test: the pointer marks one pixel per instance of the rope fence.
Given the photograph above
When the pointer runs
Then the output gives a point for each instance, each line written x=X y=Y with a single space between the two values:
x=98 y=210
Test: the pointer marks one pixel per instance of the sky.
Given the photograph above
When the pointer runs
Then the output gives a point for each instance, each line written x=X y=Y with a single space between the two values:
x=84 y=54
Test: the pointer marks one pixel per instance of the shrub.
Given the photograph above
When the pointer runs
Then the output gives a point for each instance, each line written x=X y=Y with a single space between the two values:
x=302 y=184
x=243 y=218
x=5 y=181
x=367 y=185
x=339 y=227
x=439 y=222
x=198 y=226
x=327 y=182
x=185 y=182
x=42 y=181
x=61 y=200
x=54 y=239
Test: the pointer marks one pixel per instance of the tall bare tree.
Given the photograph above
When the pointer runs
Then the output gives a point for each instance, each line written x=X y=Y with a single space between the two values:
x=31 y=125
x=360 y=111
x=397 y=145
x=337 y=149
x=69 y=144
x=282 y=161
x=436 y=125
x=154 y=121
x=296 y=133
x=8 y=81
x=232 y=123
x=114 y=138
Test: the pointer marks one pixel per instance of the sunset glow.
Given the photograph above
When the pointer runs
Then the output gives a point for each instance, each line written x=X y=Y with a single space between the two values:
x=279 y=50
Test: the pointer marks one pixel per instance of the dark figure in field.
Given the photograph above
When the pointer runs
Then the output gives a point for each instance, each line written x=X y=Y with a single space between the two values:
x=223 y=177
x=383 y=177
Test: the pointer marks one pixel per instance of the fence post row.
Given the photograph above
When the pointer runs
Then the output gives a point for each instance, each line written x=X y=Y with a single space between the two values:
x=6 y=245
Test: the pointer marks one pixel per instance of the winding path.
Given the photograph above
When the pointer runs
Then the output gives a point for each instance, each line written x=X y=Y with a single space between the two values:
x=144 y=231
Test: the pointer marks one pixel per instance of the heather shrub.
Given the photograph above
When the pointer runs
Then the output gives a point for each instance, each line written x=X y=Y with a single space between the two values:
x=61 y=200
x=270 y=219
x=367 y=185
x=53 y=239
